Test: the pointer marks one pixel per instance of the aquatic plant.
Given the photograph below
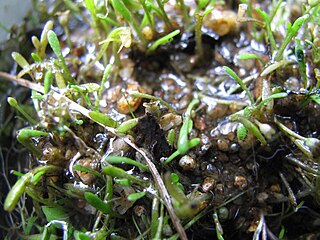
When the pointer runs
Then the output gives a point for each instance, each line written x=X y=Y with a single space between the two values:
x=162 y=116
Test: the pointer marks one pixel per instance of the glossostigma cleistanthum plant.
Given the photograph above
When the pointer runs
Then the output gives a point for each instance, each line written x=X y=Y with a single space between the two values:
x=160 y=119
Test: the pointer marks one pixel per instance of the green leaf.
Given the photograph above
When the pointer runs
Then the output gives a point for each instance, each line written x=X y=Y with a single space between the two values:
x=103 y=119
x=54 y=44
x=233 y=75
x=36 y=57
x=124 y=182
x=174 y=178
x=136 y=196
x=96 y=202
x=316 y=98
x=87 y=170
x=127 y=125
x=90 y=6
x=120 y=173
x=48 y=78
x=55 y=213
x=273 y=96
x=120 y=160
x=18 y=58
x=16 y=191
x=241 y=132
x=253 y=129
x=166 y=39
x=291 y=32
x=81 y=235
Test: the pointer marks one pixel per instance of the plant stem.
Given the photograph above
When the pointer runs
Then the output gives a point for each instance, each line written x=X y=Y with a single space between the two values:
x=291 y=32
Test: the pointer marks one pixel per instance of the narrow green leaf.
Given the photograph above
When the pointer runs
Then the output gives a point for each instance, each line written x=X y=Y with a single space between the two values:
x=241 y=132
x=18 y=58
x=16 y=191
x=246 y=56
x=124 y=182
x=13 y=103
x=273 y=96
x=87 y=170
x=122 y=9
x=81 y=235
x=103 y=119
x=316 y=98
x=291 y=32
x=119 y=160
x=48 y=79
x=54 y=44
x=166 y=39
x=44 y=39
x=233 y=75
x=25 y=135
x=55 y=213
x=36 y=57
x=253 y=129
x=120 y=173
x=136 y=196
x=96 y=202
x=127 y=125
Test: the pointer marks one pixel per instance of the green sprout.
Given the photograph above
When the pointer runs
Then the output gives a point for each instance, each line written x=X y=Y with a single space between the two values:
x=48 y=78
x=106 y=73
x=199 y=21
x=108 y=20
x=20 y=186
x=18 y=58
x=120 y=160
x=267 y=20
x=282 y=232
x=55 y=213
x=219 y=230
x=126 y=126
x=103 y=119
x=136 y=196
x=247 y=56
x=157 y=219
x=84 y=91
x=150 y=97
x=13 y=103
x=22 y=62
x=241 y=132
x=120 y=173
x=97 y=203
x=251 y=128
x=183 y=206
x=171 y=137
x=55 y=45
x=123 y=181
x=118 y=35
x=234 y=76
x=121 y=8
x=184 y=144
x=41 y=45
x=24 y=137
x=87 y=170
x=36 y=58
x=273 y=96
x=292 y=31
x=165 y=39
x=301 y=62
x=90 y=5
